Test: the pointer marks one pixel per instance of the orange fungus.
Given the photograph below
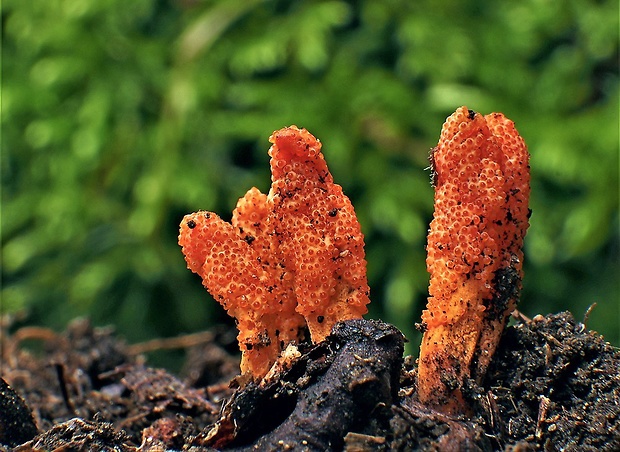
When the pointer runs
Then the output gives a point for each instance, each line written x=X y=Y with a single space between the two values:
x=474 y=252
x=291 y=259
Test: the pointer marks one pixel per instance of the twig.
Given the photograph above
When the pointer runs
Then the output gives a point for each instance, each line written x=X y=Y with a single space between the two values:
x=185 y=341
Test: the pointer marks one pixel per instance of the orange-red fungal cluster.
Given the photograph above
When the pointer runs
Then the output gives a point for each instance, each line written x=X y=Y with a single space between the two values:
x=289 y=259
x=481 y=176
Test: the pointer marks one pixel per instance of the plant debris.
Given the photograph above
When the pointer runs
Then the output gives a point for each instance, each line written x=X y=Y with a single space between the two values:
x=552 y=385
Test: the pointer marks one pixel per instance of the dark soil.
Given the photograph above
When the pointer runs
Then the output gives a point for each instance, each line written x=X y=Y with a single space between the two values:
x=553 y=385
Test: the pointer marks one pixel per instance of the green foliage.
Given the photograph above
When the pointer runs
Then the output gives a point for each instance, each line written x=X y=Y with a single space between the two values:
x=119 y=117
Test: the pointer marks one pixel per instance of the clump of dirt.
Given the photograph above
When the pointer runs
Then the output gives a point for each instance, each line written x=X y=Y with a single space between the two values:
x=88 y=390
x=557 y=385
x=552 y=385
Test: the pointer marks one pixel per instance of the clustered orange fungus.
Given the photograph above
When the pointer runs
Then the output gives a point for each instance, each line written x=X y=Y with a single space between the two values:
x=481 y=177
x=289 y=259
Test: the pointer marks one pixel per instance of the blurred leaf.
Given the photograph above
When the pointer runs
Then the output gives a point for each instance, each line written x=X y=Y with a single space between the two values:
x=120 y=117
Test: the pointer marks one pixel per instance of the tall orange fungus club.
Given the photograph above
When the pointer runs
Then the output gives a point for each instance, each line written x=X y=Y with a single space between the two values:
x=474 y=252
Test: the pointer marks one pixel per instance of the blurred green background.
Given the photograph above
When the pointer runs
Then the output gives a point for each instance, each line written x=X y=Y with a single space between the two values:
x=119 y=117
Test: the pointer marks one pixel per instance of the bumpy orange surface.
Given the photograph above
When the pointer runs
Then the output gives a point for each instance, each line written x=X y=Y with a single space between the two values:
x=289 y=259
x=481 y=176
x=320 y=237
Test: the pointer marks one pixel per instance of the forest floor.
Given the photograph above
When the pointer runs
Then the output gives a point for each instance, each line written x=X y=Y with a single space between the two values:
x=553 y=385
